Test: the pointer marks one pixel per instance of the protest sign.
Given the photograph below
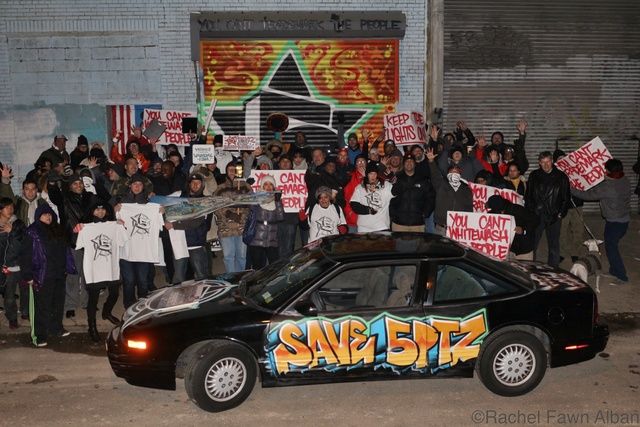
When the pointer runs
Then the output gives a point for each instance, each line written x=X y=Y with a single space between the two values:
x=154 y=130
x=405 y=128
x=585 y=166
x=203 y=154
x=490 y=234
x=223 y=158
x=172 y=121
x=481 y=194
x=239 y=142
x=289 y=182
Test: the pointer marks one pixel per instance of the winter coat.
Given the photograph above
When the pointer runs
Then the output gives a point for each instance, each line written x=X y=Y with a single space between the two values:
x=447 y=199
x=522 y=243
x=267 y=225
x=522 y=186
x=614 y=197
x=38 y=249
x=12 y=243
x=350 y=215
x=414 y=201
x=231 y=219
x=75 y=207
x=548 y=194
x=469 y=165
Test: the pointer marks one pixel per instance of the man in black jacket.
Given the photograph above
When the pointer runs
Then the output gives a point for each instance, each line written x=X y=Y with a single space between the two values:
x=526 y=225
x=548 y=196
x=414 y=198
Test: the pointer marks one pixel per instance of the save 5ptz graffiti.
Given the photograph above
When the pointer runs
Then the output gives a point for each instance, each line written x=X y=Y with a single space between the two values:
x=423 y=344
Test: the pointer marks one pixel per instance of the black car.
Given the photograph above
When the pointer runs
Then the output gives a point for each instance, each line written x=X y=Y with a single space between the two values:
x=360 y=307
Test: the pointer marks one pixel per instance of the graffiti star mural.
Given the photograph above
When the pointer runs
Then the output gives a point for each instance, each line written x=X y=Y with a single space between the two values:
x=303 y=81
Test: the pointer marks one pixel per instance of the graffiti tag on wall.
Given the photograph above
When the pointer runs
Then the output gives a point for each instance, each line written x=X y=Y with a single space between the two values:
x=385 y=342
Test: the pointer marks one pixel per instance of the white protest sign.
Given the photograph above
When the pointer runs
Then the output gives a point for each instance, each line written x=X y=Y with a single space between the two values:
x=239 y=142
x=405 y=128
x=481 y=194
x=289 y=182
x=203 y=154
x=490 y=234
x=585 y=166
x=172 y=120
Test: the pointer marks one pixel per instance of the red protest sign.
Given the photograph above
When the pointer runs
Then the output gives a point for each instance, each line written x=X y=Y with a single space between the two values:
x=172 y=121
x=481 y=194
x=289 y=182
x=585 y=166
x=490 y=234
x=405 y=128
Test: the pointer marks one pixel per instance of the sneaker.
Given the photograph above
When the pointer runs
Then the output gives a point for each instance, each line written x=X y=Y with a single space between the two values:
x=63 y=333
x=70 y=314
x=40 y=344
x=618 y=282
x=13 y=324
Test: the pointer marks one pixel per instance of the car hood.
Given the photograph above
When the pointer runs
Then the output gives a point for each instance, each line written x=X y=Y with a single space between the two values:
x=204 y=297
x=548 y=278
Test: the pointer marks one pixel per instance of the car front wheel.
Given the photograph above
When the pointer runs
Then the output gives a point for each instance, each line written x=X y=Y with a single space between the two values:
x=512 y=364
x=222 y=377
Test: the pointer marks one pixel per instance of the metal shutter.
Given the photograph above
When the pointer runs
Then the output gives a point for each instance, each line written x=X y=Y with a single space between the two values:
x=571 y=68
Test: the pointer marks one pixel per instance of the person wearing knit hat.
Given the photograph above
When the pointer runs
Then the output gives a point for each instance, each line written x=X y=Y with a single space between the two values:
x=455 y=155
x=264 y=163
x=325 y=217
x=263 y=245
x=371 y=201
x=79 y=153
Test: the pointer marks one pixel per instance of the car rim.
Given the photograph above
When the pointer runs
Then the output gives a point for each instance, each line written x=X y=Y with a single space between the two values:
x=514 y=365
x=225 y=379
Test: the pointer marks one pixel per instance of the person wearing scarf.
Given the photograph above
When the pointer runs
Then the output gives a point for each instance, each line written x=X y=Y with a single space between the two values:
x=615 y=206
x=263 y=248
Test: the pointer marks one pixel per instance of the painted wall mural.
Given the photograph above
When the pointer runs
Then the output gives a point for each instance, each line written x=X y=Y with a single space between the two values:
x=400 y=344
x=320 y=84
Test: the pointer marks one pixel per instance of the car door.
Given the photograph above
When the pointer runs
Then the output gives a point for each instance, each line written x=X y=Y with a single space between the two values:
x=355 y=323
x=460 y=296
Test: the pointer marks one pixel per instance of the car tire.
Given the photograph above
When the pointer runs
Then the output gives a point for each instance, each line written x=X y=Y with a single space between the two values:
x=221 y=377
x=512 y=363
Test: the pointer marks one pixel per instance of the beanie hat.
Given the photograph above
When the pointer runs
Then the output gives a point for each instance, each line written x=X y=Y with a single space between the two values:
x=496 y=204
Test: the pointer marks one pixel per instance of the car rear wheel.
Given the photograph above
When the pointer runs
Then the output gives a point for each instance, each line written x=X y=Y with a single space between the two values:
x=222 y=377
x=512 y=363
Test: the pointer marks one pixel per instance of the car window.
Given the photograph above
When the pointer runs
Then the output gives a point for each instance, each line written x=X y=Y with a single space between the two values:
x=366 y=287
x=458 y=281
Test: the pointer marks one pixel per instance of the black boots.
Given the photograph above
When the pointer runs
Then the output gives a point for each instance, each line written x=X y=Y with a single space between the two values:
x=93 y=331
x=106 y=315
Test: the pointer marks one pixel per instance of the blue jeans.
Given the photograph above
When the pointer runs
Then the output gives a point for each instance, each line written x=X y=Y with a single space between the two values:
x=430 y=224
x=199 y=260
x=613 y=233
x=286 y=239
x=135 y=276
x=552 y=232
x=234 y=253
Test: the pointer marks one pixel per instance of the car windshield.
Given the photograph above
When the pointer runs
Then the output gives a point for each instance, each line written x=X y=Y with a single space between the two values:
x=273 y=285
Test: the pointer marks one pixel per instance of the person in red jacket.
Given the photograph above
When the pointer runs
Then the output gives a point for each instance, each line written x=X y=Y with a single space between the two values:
x=491 y=160
x=356 y=179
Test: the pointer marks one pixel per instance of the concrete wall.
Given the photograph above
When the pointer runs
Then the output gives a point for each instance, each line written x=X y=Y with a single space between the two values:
x=60 y=53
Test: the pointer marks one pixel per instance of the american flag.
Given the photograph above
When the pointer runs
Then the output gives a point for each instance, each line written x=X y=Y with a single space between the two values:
x=122 y=118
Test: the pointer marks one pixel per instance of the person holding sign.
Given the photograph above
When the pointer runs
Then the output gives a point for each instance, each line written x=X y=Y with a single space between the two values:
x=526 y=224
x=548 y=196
x=615 y=205
x=371 y=201
x=451 y=195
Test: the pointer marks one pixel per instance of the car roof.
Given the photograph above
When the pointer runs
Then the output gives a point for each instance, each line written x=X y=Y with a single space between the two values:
x=390 y=245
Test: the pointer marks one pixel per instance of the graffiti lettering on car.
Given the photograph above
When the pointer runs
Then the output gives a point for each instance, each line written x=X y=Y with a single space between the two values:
x=384 y=342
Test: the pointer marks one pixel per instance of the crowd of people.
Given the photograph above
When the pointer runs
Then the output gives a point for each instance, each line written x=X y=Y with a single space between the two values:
x=368 y=185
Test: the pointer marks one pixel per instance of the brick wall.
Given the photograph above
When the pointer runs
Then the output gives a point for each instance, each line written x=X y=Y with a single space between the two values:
x=60 y=52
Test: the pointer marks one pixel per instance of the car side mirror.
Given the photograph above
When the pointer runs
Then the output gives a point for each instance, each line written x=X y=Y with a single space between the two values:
x=306 y=308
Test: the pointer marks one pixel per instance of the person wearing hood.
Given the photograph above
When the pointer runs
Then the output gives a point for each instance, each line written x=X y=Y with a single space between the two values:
x=452 y=194
x=526 y=224
x=231 y=221
x=274 y=150
x=12 y=238
x=79 y=153
x=263 y=248
x=195 y=231
x=455 y=156
x=371 y=201
x=100 y=213
x=615 y=206
x=47 y=258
